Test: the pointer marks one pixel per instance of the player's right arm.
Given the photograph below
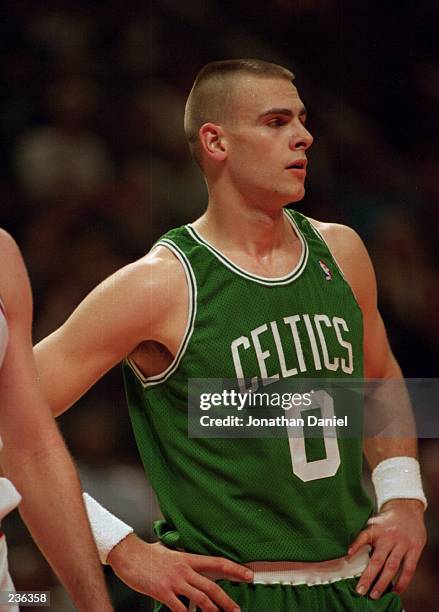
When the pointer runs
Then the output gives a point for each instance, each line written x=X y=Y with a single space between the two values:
x=131 y=306
x=146 y=300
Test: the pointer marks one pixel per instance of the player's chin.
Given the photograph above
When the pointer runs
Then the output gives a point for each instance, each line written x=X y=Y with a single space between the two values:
x=297 y=194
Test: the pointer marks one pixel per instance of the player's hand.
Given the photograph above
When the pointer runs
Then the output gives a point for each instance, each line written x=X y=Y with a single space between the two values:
x=397 y=535
x=164 y=574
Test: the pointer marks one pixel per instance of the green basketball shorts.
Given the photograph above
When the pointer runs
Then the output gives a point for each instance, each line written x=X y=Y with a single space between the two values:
x=339 y=596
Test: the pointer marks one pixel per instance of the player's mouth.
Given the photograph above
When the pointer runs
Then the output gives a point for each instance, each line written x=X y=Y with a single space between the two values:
x=298 y=167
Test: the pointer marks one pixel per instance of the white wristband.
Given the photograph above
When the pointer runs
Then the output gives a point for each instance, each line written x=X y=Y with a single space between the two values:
x=398 y=478
x=106 y=528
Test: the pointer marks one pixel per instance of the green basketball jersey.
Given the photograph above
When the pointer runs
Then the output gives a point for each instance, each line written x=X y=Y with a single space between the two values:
x=270 y=498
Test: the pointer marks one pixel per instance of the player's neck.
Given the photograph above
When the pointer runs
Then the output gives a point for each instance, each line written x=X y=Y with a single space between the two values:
x=239 y=227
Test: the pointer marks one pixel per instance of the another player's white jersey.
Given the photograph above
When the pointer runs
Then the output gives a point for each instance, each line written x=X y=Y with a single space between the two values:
x=3 y=333
x=9 y=496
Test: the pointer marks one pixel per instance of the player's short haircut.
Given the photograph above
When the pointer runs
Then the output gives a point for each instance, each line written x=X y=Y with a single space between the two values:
x=209 y=99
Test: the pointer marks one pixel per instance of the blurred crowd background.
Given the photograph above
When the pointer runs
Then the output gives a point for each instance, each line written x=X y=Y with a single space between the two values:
x=94 y=168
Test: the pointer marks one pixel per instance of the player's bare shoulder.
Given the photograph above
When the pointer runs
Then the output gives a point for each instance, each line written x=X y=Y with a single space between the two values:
x=157 y=278
x=146 y=299
x=152 y=305
x=167 y=268
x=349 y=251
x=344 y=243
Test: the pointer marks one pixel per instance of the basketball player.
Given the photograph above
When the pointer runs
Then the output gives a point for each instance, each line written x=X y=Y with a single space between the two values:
x=249 y=291
x=34 y=456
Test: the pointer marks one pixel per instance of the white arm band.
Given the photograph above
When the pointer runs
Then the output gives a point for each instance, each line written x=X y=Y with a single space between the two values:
x=106 y=528
x=398 y=478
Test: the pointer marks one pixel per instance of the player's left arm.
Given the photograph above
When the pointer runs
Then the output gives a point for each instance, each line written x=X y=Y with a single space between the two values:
x=397 y=533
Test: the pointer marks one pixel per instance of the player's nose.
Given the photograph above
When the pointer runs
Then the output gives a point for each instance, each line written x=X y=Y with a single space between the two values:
x=301 y=139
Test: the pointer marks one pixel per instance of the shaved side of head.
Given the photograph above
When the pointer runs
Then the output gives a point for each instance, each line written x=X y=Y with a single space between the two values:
x=210 y=98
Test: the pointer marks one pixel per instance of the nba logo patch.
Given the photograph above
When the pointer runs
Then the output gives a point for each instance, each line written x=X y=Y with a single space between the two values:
x=326 y=271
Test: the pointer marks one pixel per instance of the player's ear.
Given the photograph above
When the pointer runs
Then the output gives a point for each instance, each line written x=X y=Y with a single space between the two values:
x=213 y=141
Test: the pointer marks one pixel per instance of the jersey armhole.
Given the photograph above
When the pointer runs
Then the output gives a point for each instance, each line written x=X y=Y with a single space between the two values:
x=156 y=379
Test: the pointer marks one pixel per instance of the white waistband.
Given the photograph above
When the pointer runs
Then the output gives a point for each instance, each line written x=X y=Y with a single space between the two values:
x=295 y=573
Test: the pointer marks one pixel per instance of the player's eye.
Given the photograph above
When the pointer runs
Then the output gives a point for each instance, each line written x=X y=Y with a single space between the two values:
x=276 y=122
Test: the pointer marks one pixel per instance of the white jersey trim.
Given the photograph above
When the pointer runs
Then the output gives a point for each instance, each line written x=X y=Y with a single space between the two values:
x=263 y=280
x=156 y=379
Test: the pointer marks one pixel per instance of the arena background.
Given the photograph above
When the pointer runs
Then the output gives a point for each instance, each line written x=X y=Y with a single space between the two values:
x=94 y=167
